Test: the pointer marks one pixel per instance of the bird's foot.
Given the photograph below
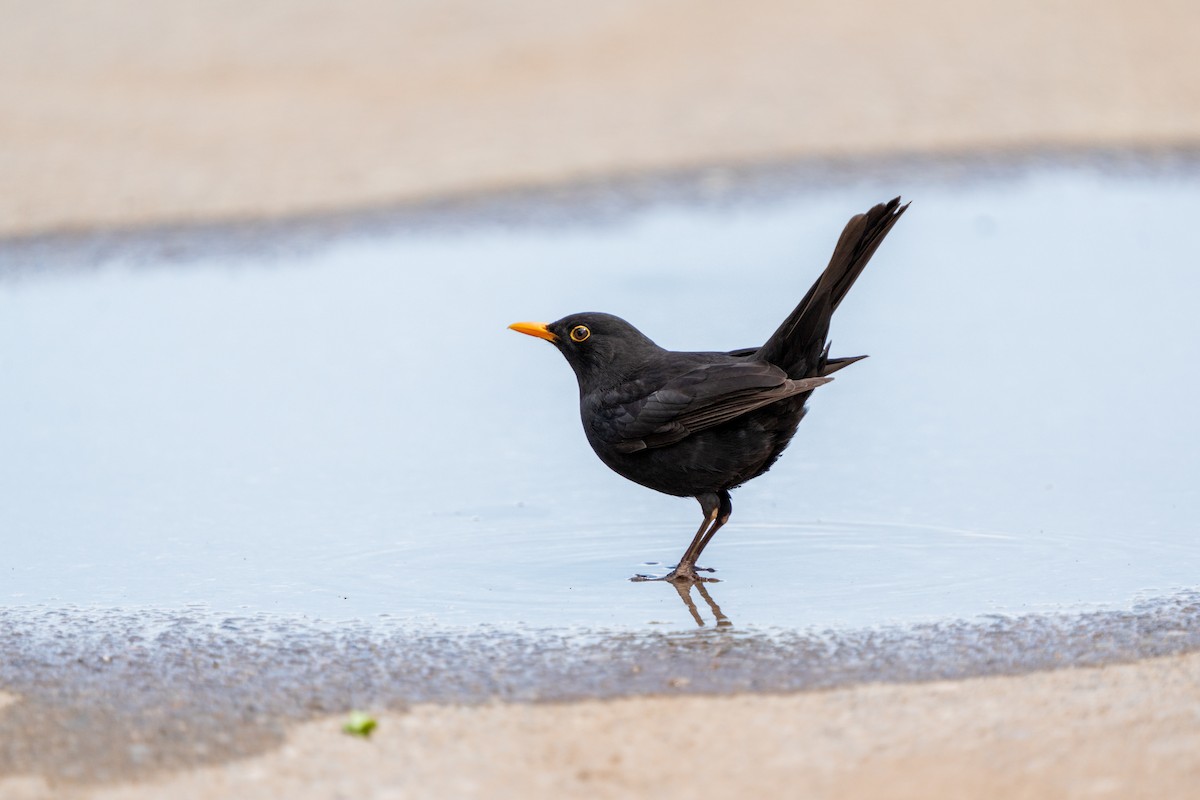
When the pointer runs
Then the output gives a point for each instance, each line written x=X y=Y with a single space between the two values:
x=682 y=574
x=681 y=577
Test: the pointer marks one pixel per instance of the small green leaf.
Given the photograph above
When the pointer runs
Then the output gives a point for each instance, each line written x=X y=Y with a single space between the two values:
x=359 y=723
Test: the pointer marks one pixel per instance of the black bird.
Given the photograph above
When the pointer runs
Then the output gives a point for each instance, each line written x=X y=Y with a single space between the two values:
x=700 y=424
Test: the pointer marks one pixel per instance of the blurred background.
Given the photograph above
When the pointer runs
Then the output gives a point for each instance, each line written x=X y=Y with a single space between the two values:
x=132 y=112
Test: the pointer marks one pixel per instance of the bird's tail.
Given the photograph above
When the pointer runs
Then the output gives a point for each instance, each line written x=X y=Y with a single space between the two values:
x=799 y=344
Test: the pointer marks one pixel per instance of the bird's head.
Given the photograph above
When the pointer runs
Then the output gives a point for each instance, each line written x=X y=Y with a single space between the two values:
x=601 y=348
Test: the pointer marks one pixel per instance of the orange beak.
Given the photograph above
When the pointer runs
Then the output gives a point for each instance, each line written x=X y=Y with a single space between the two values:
x=537 y=329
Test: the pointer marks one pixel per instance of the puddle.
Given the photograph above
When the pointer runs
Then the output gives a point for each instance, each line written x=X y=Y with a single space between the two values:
x=353 y=433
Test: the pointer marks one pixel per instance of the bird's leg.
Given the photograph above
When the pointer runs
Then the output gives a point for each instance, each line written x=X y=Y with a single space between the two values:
x=675 y=575
x=710 y=518
x=717 y=507
x=724 y=511
x=685 y=570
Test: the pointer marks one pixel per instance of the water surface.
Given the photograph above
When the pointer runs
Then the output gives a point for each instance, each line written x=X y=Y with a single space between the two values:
x=351 y=431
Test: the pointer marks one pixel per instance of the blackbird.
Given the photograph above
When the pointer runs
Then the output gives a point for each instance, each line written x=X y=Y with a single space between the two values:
x=697 y=424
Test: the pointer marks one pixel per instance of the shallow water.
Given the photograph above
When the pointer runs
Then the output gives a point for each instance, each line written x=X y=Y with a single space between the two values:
x=353 y=432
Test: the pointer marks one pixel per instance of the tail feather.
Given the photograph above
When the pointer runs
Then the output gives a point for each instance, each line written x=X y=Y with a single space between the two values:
x=798 y=345
x=832 y=365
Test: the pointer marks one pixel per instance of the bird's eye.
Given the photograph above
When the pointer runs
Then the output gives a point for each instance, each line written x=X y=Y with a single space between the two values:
x=580 y=333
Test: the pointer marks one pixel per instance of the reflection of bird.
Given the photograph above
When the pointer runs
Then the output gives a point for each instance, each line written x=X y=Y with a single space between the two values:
x=700 y=424
x=685 y=593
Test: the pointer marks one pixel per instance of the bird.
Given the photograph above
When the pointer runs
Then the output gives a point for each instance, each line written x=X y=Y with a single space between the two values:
x=700 y=424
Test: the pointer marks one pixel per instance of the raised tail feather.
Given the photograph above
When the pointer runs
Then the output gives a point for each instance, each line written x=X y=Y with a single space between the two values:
x=799 y=344
x=832 y=365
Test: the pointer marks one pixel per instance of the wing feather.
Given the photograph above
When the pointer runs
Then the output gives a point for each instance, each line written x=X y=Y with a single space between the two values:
x=701 y=398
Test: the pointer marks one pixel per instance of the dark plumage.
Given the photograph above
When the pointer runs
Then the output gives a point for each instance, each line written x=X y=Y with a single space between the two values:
x=700 y=424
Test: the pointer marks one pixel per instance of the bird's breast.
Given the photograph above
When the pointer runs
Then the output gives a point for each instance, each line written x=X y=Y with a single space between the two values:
x=706 y=461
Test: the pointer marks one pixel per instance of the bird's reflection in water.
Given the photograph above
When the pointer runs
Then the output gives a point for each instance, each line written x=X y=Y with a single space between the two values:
x=685 y=594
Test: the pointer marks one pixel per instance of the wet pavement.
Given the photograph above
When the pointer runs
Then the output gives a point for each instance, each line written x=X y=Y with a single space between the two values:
x=254 y=477
x=110 y=695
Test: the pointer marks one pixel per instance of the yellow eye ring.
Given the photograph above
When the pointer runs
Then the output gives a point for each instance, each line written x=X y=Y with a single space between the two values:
x=580 y=333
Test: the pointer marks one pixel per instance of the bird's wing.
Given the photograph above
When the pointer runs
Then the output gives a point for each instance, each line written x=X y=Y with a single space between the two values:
x=701 y=398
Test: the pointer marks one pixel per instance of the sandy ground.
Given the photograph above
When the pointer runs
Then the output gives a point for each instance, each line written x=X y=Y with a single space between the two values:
x=131 y=111
x=1127 y=731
